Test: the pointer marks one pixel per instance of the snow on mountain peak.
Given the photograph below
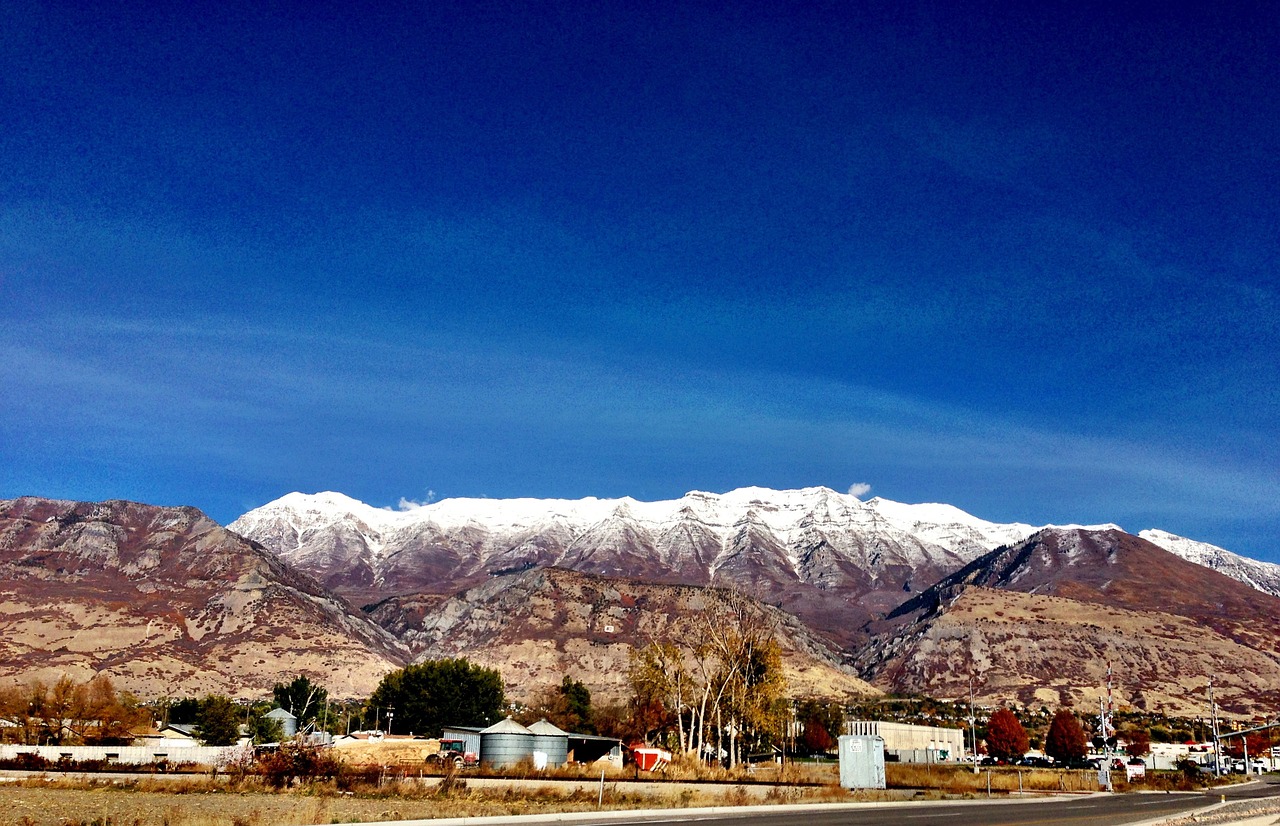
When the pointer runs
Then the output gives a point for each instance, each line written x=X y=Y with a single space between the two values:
x=1265 y=576
x=817 y=530
x=788 y=514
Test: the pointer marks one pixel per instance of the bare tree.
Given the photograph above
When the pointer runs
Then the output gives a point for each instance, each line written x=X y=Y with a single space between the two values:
x=721 y=681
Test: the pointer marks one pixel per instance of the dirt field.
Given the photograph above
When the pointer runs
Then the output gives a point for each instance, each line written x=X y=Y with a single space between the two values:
x=39 y=804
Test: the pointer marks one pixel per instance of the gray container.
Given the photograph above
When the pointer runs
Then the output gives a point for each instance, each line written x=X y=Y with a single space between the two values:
x=861 y=762
x=551 y=742
x=505 y=744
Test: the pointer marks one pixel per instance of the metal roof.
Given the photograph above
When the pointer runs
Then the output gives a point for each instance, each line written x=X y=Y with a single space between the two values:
x=545 y=728
x=507 y=726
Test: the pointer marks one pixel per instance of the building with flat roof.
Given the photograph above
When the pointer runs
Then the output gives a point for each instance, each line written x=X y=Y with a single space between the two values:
x=912 y=744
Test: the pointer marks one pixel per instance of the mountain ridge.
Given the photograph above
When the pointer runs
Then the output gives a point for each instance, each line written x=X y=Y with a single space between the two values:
x=165 y=599
x=835 y=560
x=1016 y=615
x=686 y=539
x=540 y=624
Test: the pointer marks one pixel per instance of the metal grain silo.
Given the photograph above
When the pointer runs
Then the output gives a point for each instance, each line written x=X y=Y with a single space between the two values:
x=550 y=741
x=288 y=723
x=505 y=744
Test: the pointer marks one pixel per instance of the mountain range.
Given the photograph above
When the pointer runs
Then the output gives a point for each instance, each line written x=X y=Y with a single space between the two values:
x=857 y=573
x=830 y=558
x=913 y=598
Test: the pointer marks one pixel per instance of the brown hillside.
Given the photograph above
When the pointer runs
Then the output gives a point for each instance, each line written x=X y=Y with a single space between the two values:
x=1082 y=597
x=167 y=602
x=540 y=625
x=1051 y=651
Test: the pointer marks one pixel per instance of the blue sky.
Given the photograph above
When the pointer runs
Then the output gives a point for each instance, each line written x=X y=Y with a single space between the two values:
x=1018 y=260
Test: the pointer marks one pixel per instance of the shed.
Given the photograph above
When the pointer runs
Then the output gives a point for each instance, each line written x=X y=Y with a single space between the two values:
x=505 y=743
x=469 y=735
x=592 y=748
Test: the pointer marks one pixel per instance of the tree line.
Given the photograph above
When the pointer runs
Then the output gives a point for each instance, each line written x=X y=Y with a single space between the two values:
x=714 y=692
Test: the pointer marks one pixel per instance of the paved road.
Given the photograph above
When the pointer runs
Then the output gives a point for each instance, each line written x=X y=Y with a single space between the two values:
x=1093 y=810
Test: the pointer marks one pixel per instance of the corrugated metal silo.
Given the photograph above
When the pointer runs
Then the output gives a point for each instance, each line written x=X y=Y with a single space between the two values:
x=505 y=744
x=551 y=741
x=288 y=723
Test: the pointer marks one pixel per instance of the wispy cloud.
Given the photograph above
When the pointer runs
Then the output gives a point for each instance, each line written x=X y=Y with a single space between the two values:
x=406 y=504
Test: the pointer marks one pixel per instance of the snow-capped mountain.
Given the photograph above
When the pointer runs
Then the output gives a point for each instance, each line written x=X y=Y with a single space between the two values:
x=1044 y=620
x=827 y=556
x=1265 y=576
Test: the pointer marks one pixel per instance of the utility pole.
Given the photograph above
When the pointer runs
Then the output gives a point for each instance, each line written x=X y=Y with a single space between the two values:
x=973 y=726
x=1217 y=747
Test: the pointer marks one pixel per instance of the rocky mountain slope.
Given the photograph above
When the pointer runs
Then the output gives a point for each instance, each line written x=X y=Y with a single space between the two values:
x=1040 y=619
x=538 y=625
x=829 y=558
x=813 y=536
x=167 y=602
x=1265 y=576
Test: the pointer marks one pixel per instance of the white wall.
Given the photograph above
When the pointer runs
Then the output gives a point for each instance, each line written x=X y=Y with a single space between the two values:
x=131 y=755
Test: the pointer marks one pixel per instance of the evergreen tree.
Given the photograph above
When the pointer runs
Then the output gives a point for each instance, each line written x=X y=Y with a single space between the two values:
x=301 y=698
x=428 y=696
x=218 y=723
x=577 y=703
x=185 y=710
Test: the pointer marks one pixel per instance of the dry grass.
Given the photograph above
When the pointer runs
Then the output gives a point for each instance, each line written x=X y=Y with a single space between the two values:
x=204 y=801
x=960 y=780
